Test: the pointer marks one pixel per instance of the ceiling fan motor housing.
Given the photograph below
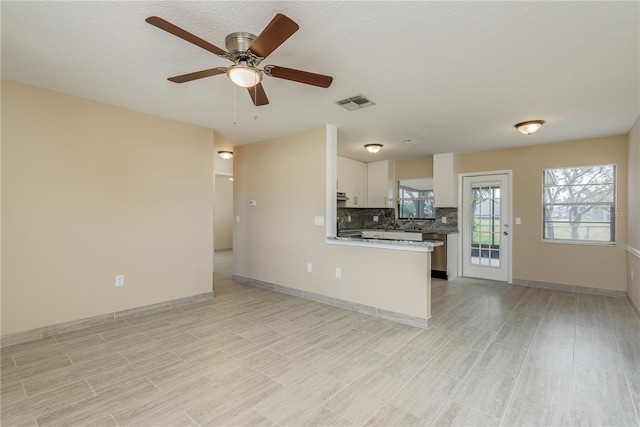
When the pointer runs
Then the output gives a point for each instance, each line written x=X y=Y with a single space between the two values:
x=238 y=44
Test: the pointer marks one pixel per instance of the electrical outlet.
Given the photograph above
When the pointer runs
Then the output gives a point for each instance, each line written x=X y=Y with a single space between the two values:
x=120 y=280
x=318 y=220
x=444 y=219
x=253 y=203
x=309 y=267
x=375 y=218
x=348 y=218
x=237 y=218
x=338 y=272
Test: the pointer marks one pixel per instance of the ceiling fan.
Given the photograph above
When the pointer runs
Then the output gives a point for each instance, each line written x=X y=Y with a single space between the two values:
x=246 y=51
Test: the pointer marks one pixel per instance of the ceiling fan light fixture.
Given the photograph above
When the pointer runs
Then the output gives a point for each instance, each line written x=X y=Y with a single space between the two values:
x=244 y=75
x=373 y=148
x=530 y=126
x=225 y=155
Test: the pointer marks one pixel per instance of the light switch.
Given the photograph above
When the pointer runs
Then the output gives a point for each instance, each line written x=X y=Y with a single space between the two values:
x=517 y=221
x=318 y=220
x=252 y=203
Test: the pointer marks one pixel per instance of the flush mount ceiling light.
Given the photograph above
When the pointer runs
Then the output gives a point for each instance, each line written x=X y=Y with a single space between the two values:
x=225 y=155
x=244 y=75
x=530 y=126
x=373 y=148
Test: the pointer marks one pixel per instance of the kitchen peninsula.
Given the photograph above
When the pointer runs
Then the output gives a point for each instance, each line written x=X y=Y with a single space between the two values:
x=411 y=258
x=379 y=225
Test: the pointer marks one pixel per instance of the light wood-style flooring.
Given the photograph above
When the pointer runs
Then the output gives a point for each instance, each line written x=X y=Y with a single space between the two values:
x=497 y=354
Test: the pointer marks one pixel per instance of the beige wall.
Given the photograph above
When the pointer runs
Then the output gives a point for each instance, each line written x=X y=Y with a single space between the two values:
x=633 y=214
x=414 y=168
x=533 y=259
x=224 y=213
x=90 y=191
x=275 y=240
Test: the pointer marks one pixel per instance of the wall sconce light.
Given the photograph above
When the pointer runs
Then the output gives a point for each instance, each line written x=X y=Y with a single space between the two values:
x=225 y=155
x=373 y=148
x=530 y=126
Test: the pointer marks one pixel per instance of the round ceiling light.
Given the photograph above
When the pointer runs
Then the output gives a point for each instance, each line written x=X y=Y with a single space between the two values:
x=373 y=148
x=225 y=155
x=530 y=126
x=243 y=75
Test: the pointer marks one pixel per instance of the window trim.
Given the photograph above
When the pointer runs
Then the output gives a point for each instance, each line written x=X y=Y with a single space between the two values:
x=614 y=205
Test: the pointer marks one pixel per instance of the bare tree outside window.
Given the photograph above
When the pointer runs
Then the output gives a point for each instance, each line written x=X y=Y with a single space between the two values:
x=579 y=204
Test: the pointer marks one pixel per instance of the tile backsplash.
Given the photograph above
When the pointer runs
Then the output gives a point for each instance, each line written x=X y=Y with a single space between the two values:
x=362 y=219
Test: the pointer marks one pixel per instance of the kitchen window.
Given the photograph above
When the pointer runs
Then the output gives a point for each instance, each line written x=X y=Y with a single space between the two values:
x=579 y=204
x=415 y=199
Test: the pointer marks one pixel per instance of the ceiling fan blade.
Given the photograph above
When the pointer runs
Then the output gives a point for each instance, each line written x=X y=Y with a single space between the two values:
x=258 y=95
x=299 y=76
x=185 y=35
x=198 y=75
x=279 y=29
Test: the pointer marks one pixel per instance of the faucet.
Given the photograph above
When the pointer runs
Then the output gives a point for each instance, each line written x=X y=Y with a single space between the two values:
x=411 y=223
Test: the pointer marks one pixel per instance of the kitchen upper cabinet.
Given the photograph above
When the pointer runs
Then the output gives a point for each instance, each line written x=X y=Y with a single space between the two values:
x=351 y=180
x=380 y=184
x=445 y=180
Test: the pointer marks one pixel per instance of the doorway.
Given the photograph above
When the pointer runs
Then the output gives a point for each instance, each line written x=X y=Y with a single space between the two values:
x=486 y=232
x=223 y=214
x=223 y=234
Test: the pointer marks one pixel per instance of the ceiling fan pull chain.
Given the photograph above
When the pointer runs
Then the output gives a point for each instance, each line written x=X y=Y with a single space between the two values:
x=234 y=105
x=255 y=96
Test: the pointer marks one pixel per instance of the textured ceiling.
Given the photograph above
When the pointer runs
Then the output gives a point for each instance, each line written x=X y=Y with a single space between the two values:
x=454 y=76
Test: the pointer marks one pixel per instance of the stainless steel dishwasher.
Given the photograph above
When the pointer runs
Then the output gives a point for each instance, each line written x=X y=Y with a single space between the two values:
x=438 y=256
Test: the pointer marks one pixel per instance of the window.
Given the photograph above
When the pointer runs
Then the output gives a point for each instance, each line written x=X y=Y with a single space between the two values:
x=415 y=199
x=579 y=204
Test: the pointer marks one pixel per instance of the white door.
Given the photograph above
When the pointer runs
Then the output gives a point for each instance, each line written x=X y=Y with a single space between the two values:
x=486 y=233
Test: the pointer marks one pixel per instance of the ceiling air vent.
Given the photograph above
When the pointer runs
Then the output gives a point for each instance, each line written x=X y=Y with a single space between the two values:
x=355 y=102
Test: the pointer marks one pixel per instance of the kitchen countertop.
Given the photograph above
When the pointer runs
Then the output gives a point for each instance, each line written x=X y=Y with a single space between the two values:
x=410 y=245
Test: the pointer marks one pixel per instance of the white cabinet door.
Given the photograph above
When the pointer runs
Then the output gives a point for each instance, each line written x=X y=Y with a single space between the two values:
x=380 y=179
x=351 y=176
x=445 y=180
x=355 y=177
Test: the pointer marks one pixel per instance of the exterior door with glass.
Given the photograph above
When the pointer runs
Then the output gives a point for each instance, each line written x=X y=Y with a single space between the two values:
x=486 y=233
